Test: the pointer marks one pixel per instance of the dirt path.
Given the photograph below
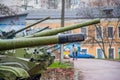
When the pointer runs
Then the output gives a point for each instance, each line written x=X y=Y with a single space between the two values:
x=92 y=69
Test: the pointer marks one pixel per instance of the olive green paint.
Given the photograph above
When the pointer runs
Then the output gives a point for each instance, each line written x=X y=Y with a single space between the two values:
x=17 y=72
x=8 y=44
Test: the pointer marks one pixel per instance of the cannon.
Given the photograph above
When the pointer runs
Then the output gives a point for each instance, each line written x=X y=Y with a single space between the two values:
x=16 y=68
x=13 y=65
x=63 y=29
x=31 y=42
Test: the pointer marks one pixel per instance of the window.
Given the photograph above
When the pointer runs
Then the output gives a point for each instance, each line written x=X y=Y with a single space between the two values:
x=110 y=32
x=119 y=52
x=119 y=32
x=108 y=12
x=111 y=53
x=84 y=50
x=98 y=33
x=36 y=1
x=84 y=32
x=99 y=53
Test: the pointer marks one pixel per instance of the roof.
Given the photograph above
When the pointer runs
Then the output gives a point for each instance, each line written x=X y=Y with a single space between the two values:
x=22 y=14
x=88 y=12
x=53 y=13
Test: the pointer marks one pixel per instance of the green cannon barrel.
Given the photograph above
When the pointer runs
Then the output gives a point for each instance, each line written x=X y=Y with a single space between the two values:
x=62 y=29
x=29 y=42
x=45 y=28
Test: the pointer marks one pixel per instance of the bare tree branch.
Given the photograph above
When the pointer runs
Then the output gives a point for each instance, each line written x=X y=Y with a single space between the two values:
x=5 y=10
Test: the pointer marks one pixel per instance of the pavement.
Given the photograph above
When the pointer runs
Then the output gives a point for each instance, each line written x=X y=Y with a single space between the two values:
x=95 y=69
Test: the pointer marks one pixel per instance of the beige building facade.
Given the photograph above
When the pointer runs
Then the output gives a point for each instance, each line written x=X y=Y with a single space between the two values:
x=107 y=39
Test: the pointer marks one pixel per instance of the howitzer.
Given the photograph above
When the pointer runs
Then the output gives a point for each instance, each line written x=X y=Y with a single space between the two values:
x=43 y=29
x=33 y=31
x=66 y=28
x=12 y=68
x=32 y=72
x=11 y=34
x=29 y=42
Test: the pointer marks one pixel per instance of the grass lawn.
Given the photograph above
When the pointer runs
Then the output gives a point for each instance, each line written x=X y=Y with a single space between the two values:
x=57 y=64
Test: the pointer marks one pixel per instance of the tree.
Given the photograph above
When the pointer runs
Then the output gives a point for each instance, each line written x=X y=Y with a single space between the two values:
x=52 y=4
x=5 y=10
x=25 y=5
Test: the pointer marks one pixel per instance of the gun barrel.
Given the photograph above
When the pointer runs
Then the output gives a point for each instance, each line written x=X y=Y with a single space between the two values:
x=30 y=42
x=62 y=29
x=45 y=28
x=32 y=24
x=28 y=26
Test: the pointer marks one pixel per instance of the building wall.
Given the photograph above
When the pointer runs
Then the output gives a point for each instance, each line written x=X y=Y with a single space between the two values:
x=15 y=22
x=104 y=2
x=92 y=48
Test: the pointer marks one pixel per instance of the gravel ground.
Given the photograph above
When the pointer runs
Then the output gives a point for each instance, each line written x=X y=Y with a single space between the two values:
x=92 y=69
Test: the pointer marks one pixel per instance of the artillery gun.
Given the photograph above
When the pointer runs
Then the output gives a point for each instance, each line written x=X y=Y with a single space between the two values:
x=11 y=65
x=14 y=68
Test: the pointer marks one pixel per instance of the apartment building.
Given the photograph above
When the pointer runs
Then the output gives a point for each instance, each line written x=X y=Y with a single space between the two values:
x=104 y=36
